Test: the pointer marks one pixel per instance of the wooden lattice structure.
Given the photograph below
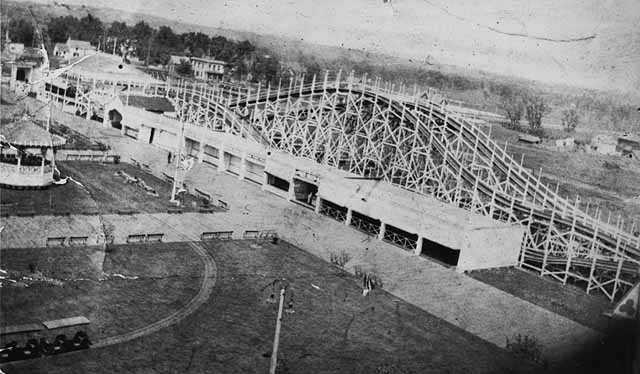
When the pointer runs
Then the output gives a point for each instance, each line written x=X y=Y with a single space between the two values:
x=372 y=130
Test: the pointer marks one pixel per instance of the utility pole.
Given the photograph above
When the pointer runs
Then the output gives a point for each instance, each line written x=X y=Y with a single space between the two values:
x=276 y=338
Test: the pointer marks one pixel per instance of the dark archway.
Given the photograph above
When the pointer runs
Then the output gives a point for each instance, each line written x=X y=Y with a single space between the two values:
x=21 y=75
x=115 y=118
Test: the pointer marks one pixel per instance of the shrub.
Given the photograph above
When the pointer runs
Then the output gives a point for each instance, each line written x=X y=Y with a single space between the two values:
x=527 y=347
x=369 y=278
x=570 y=119
x=339 y=259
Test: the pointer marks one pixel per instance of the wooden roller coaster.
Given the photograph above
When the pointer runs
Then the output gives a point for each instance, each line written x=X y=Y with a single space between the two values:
x=371 y=129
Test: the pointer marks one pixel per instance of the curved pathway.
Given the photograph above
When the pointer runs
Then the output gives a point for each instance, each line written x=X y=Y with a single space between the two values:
x=206 y=287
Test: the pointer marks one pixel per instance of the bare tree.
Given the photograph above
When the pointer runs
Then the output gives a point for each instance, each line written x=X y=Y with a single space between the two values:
x=513 y=106
x=535 y=110
x=570 y=119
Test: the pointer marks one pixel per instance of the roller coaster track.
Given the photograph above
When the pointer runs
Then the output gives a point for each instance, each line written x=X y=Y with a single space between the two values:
x=372 y=130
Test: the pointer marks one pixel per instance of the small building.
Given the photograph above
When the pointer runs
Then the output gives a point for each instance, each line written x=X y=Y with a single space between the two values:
x=629 y=145
x=525 y=138
x=73 y=49
x=27 y=154
x=28 y=69
x=12 y=51
x=566 y=143
x=175 y=61
x=148 y=119
x=605 y=144
x=207 y=69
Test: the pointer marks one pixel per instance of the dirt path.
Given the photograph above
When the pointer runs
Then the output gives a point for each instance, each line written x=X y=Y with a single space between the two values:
x=206 y=287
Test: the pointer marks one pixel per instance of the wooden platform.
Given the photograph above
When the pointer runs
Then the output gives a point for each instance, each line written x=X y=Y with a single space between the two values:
x=16 y=329
x=66 y=322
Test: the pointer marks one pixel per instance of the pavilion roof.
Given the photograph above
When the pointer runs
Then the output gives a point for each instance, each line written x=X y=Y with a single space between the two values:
x=27 y=133
x=103 y=66
x=151 y=103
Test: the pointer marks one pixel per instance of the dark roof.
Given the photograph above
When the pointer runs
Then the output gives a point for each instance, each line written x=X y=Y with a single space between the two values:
x=27 y=133
x=61 y=47
x=153 y=104
x=80 y=44
x=31 y=55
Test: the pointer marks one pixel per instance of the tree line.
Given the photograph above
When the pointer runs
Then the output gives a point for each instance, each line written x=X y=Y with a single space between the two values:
x=152 y=46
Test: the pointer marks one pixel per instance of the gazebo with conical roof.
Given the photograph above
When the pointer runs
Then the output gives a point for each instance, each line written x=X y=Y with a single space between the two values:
x=27 y=154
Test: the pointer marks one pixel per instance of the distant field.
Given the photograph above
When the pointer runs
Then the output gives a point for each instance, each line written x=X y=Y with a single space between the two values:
x=333 y=329
x=610 y=182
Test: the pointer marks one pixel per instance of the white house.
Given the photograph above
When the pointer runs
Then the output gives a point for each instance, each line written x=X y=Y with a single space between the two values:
x=207 y=68
x=73 y=49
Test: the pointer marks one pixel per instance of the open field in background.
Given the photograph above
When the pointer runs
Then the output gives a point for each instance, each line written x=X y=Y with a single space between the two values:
x=334 y=329
x=78 y=282
x=599 y=110
x=102 y=192
x=611 y=182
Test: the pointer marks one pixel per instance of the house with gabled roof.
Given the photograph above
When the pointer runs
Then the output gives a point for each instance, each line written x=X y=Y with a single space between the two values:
x=73 y=49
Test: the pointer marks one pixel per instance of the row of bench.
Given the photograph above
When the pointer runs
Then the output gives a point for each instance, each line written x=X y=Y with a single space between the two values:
x=144 y=167
x=75 y=241
x=145 y=238
x=247 y=234
x=67 y=241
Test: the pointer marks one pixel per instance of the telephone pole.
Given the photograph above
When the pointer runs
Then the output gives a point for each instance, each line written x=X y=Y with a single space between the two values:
x=276 y=338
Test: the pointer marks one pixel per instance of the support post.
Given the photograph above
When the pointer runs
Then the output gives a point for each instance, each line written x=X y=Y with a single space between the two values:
x=347 y=221
x=418 y=249
x=383 y=230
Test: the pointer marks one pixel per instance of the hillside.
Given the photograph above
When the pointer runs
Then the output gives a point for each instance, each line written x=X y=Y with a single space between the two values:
x=608 y=109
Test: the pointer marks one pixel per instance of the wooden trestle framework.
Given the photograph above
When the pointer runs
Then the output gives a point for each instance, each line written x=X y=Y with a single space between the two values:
x=372 y=130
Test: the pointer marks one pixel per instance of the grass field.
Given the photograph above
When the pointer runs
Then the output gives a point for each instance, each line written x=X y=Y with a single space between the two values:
x=167 y=278
x=103 y=192
x=334 y=329
x=566 y=300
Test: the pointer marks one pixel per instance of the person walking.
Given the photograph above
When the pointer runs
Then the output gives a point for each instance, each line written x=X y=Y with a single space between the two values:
x=169 y=158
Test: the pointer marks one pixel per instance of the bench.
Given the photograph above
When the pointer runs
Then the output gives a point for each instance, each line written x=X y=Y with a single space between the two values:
x=203 y=194
x=216 y=235
x=223 y=205
x=157 y=238
x=78 y=240
x=174 y=210
x=126 y=212
x=56 y=241
x=136 y=238
x=17 y=329
x=135 y=162
x=267 y=234
x=206 y=209
x=251 y=234
x=146 y=168
x=167 y=177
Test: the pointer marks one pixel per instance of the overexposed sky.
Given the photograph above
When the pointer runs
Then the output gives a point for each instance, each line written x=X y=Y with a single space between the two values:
x=459 y=32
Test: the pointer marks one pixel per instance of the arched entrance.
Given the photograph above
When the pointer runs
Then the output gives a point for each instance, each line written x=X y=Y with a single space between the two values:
x=115 y=117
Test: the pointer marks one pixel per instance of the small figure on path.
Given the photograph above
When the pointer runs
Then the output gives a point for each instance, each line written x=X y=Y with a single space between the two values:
x=169 y=158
